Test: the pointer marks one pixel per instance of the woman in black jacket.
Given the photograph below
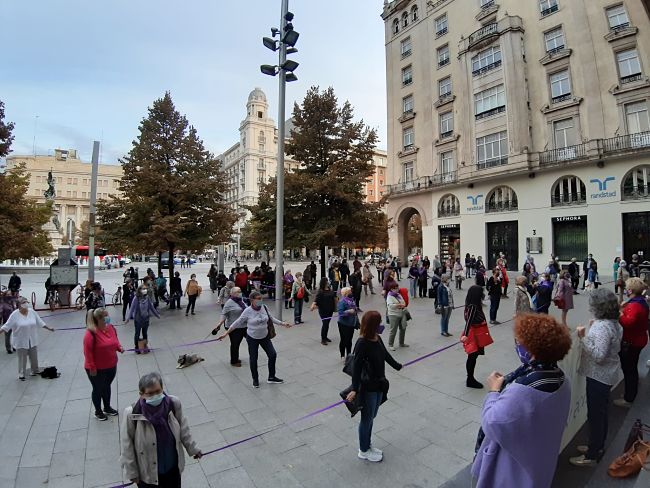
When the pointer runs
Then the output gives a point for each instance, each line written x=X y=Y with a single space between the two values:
x=494 y=292
x=369 y=380
x=326 y=302
x=474 y=317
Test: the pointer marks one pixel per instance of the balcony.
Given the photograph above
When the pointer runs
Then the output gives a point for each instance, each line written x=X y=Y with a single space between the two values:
x=627 y=143
x=441 y=32
x=408 y=150
x=423 y=183
x=490 y=113
x=443 y=62
x=492 y=163
x=446 y=134
x=488 y=9
x=548 y=11
x=407 y=115
x=562 y=155
x=489 y=31
x=620 y=31
x=487 y=68
x=406 y=54
x=444 y=100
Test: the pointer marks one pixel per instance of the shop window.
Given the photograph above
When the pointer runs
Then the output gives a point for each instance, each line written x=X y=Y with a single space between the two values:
x=568 y=190
x=502 y=199
x=636 y=184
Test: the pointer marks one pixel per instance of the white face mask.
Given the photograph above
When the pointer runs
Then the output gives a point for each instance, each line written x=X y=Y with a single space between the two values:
x=23 y=305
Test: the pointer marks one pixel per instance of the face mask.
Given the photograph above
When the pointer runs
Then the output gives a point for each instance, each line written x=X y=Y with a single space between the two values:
x=522 y=352
x=155 y=400
x=381 y=328
x=23 y=305
x=107 y=320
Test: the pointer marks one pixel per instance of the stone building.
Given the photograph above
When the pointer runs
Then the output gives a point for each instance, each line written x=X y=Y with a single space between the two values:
x=519 y=127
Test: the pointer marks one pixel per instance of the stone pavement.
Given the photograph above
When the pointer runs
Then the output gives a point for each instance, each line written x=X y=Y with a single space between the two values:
x=427 y=428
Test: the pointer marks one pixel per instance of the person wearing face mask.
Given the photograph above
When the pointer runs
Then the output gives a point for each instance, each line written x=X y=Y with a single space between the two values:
x=101 y=346
x=192 y=291
x=23 y=324
x=256 y=320
x=370 y=356
x=142 y=308
x=232 y=310
x=525 y=412
x=154 y=433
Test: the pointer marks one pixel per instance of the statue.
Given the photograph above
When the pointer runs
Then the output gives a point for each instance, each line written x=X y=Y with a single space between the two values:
x=50 y=193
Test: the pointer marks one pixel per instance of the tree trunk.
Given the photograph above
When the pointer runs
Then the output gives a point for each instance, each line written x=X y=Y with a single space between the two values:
x=159 y=262
x=323 y=260
x=171 y=262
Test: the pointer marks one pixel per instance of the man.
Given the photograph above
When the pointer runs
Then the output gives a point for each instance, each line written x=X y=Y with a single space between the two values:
x=314 y=274
x=574 y=271
x=356 y=264
x=586 y=266
x=633 y=266
x=367 y=279
x=436 y=262
x=344 y=269
x=14 y=283
x=96 y=297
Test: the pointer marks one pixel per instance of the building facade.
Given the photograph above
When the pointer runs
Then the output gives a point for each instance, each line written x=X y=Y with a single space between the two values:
x=71 y=178
x=519 y=127
x=376 y=184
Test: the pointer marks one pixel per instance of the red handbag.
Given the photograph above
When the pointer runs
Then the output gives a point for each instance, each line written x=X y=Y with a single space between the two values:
x=559 y=303
x=478 y=338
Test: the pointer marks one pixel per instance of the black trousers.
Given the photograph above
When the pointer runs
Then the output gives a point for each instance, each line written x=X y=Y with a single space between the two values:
x=347 y=333
x=191 y=302
x=171 y=479
x=630 y=364
x=470 y=364
x=236 y=336
x=597 y=416
x=325 y=328
x=422 y=289
x=495 y=300
x=175 y=300
x=101 y=383
x=253 y=350
x=125 y=306
x=575 y=282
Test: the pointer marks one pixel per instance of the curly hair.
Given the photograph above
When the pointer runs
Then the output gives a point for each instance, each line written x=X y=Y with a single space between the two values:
x=543 y=336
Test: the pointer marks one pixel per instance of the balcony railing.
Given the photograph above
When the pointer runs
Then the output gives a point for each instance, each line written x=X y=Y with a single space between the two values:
x=560 y=155
x=483 y=33
x=442 y=32
x=492 y=163
x=568 y=200
x=422 y=183
x=620 y=27
x=487 y=68
x=506 y=206
x=406 y=53
x=629 y=142
x=561 y=98
x=443 y=62
x=446 y=134
x=487 y=5
x=631 y=78
x=640 y=193
x=550 y=10
x=489 y=113
x=555 y=50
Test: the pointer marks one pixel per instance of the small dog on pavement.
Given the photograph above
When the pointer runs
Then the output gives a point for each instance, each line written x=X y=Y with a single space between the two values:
x=185 y=360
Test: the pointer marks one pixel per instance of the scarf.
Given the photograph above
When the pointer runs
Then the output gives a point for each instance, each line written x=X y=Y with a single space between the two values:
x=395 y=294
x=530 y=300
x=239 y=301
x=350 y=302
x=142 y=312
x=158 y=417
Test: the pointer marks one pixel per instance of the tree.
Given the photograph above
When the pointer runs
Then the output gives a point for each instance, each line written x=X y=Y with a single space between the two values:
x=83 y=235
x=6 y=138
x=171 y=194
x=324 y=199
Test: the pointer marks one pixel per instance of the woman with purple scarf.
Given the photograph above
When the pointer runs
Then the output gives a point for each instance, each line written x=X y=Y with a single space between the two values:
x=232 y=310
x=347 y=321
x=287 y=286
x=153 y=436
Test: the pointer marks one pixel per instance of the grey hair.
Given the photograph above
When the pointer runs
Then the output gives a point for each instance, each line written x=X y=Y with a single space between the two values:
x=254 y=294
x=149 y=380
x=603 y=304
x=444 y=279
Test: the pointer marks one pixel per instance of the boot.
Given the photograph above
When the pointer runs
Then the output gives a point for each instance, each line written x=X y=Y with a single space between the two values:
x=472 y=383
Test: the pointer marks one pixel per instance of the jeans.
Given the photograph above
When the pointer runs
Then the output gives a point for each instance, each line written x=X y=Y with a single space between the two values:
x=125 y=306
x=630 y=364
x=325 y=328
x=370 y=401
x=32 y=352
x=396 y=322
x=444 y=319
x=191 y=303
x=368 y=285
x=172 y=479
x=253 y=349
x=347 y=333
x=597 y=417
x=140 y=325
x=297 y=309
x=236 y=336
x=102 y=387
x=413 y=283
x=494 y=306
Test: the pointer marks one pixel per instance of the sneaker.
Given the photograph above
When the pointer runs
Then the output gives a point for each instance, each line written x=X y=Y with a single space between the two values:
x=274 y=380
x=370 y=455
x=377 y=451
x=21 y=378
x=324 y=343
x=330 y=340
x=110 y=411
x=582 y=461
x=404 y=345
x=256 y=384
x=582 y=449
x=621 y=402
x=101 y=416
x=392 y=348
x=236 y=365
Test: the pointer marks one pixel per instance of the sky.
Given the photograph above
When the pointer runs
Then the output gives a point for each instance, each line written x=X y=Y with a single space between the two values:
x=74 y=71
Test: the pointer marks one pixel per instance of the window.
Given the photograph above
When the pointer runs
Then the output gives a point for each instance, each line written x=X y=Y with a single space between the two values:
x=69 y=181
x=441 y=25
x=568 y=190
x=405 y=47
x=490 y=101
x=407 y=75
x=405 y=19
x=407 y=104
x=414 y=13
x=560 y=86
x=443 y=55
x=446 y=163
x=547 y=7
x=408 y=137
x=408 y=172
x=260 y=115
x=370 y=192
x=636 y=183
x=68 y=193
x=636 y=115
x=628 y=65
x=395 y=26
x=446 y=124
x=74 y=194
x=486 y=3
x=617 y=17
x=486 y=60
x=554 y=40
x=492 y=150
x=449 y=206
x=564 y=133
x=502 y=199
x=84 y=194
x=444 y=87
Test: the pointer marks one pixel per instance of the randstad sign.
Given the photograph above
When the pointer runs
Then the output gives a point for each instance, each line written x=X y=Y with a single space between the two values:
x=602 y=188
x=476 y=205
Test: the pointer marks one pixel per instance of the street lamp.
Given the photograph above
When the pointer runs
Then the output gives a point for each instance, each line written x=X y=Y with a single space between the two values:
x=285 y=68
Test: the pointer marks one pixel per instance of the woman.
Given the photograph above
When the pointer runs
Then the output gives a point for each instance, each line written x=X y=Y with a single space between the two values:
x=621 y=278
x=23 y=324
x=128 y=291
x=502 y=265
x=153 y=437
x=101 y=346
x=356 y=283
x=232 y=310
x=326 y=302
x=347 y=321
x=634 y=320
x=523 y=300
x=592 y=276
x=175 y=291
x=192 y=292
x=543 y=294
x=458 y=274
x=299 y=293
x=389 y=282
x=256 y=320
x=142 y=309
x=423 y=282
x=564 y=295
x=600 y=363
x=287 y=284
x=445 y=302
x=494 y=292
x=212 y=276
x=616 y=267
x=479 y=279
x=525 y=412
x=396 y=317
x=413 y=275
x=224 y=294
x=474 y=320
x=370 y=355
x=468 y=265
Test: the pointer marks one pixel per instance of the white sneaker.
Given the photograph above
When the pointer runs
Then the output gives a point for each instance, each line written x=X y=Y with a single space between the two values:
x=392 y=348
x=375 y=450
x=370 y=455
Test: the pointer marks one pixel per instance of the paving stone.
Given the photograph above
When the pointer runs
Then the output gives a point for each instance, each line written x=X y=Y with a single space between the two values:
x=67 y=464
x=232 y=478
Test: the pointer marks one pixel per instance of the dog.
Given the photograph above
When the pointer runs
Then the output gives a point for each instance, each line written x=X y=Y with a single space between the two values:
x=185 y=360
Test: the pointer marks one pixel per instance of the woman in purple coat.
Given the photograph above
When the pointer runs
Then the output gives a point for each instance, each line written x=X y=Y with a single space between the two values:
x=525 y=412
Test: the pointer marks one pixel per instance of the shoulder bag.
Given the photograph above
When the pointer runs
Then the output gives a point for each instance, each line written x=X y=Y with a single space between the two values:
x=270 y=325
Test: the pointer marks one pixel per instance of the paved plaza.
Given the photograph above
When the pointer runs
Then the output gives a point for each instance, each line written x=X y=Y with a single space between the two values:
x=427 y=429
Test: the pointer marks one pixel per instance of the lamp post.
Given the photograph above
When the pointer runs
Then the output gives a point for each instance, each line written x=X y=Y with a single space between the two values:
x=285 y=68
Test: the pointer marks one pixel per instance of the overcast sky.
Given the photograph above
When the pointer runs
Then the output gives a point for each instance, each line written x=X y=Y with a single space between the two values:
x=81 y=70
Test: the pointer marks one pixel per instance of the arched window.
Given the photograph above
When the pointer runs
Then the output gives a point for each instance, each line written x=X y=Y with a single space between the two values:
x=636 y=184
x=405 y=19
x=502 y=199
x=414 y=13
x=568 y=190
x=395 y=26
x=449 y=206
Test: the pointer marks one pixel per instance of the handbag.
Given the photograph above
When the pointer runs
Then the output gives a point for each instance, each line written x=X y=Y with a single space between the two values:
x=407 y=314
x=559 y=302
x=632 y=462
x=477 y=338
x=270 y=325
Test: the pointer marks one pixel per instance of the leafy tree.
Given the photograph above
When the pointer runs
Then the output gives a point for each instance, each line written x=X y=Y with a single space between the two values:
x=171 y=192
x=83 y=235
x=324 y=199
x=6 y=138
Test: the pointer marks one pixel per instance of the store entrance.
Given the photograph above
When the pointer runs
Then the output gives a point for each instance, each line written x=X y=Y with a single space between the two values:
x=570 y=237
x=503 y=237
x=636 y=235
x=449 y=242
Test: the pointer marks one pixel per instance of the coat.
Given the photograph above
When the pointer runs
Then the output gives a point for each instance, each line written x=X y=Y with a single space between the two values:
x=139 y=454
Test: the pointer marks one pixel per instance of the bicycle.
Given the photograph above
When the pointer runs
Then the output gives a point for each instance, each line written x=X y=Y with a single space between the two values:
x=117 y=296
x=53 y=299
x=80 y=301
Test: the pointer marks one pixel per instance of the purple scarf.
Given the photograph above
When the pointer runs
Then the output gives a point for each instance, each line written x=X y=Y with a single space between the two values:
x=350 y=302
x=395 y=294
x=158 y=417
x=288 y=278
x=239 y=301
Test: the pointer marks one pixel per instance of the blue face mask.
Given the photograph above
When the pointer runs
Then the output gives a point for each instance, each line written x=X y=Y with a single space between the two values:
x=522 y=352
x=155 y=400
x=381 y=328
x=107 y=320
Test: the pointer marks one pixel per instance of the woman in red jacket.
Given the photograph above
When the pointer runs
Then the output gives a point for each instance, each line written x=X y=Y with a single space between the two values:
x=634 y=320
x=100 y=353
